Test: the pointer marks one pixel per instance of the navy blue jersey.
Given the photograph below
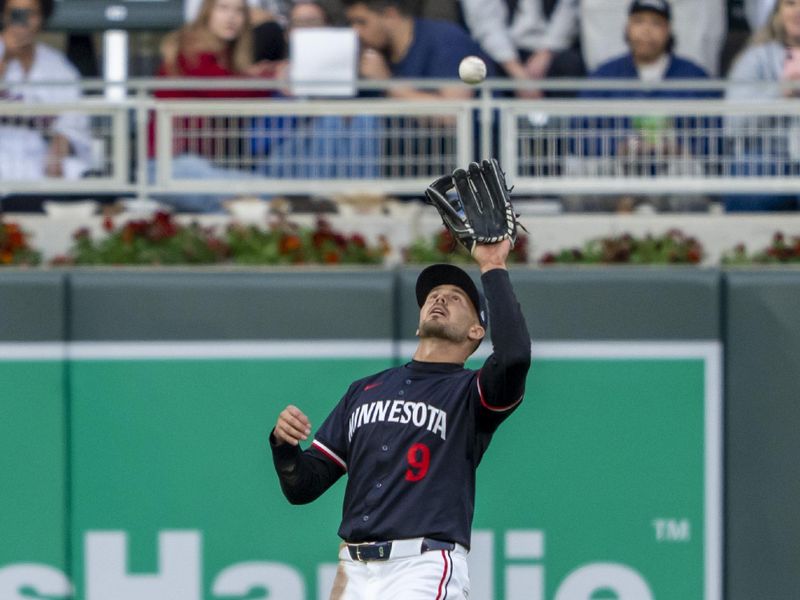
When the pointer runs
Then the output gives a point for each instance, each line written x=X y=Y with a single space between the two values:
x=415 y=434
x=410 y=438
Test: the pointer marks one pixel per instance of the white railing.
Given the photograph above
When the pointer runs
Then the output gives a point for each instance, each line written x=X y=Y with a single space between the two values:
x=322 y=146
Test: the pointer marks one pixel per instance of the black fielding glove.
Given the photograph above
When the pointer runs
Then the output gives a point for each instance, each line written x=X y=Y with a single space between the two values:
x=482 y=214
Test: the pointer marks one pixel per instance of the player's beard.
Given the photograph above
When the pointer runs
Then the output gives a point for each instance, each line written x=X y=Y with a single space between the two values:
x=433 y=328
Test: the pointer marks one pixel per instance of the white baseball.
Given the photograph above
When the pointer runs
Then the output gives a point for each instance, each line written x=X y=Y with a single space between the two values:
x=472 y=70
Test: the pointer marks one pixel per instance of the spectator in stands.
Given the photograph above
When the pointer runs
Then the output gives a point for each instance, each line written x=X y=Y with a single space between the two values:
x=650 y=41
x=529 y=39
x=42 y=146
x=397 y=45
x=260 y=10
x=648 y=141
x=311 y=147
x=218 y=43
x=698 y=25
x=772 y=56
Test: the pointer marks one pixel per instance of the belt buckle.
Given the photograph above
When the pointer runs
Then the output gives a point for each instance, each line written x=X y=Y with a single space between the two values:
x=380 y=546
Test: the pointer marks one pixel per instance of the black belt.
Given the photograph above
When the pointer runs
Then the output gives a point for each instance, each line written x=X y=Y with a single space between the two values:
x=383 y=550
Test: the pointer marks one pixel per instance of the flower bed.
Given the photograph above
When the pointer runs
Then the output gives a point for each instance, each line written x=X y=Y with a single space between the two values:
x=175 y=240
x=674 y=247
x=14 y=247
x=781 y=250
x=163 y=241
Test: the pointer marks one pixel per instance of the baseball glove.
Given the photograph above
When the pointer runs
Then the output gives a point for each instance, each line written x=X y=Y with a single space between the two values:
x=482 y=213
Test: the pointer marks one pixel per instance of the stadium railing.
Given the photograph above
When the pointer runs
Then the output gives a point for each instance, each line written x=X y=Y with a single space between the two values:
x=322 y=145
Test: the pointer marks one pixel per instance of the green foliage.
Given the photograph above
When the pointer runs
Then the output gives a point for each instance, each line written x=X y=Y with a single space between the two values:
x=157 y=241
x=779 y=251
x=443 y=248
x=163 y=241
x=674 y=247
x=288 y=244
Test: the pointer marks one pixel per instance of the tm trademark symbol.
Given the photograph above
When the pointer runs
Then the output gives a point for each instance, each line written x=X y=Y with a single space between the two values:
x=672 y=530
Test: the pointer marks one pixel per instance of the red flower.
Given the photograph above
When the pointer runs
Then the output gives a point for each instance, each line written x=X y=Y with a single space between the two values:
x=446 y=242
x=319 y=238
x=217 y=246
x=137 y=228
x=548 y=258
x=162 y=227
x=331 y=257
x=358 y=241
x=694 y=255
x=108 y=224
x=15 y=239
x=289 y=243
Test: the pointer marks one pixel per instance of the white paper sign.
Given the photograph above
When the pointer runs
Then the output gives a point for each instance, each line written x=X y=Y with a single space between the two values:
x=323 y=61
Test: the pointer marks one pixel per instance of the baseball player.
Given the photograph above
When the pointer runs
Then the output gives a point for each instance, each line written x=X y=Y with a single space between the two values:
x=410 y=439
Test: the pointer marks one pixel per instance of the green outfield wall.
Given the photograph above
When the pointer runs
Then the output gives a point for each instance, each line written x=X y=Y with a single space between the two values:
x=652 y=458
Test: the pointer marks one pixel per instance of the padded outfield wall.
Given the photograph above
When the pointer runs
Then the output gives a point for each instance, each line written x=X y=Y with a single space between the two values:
x=135 y=405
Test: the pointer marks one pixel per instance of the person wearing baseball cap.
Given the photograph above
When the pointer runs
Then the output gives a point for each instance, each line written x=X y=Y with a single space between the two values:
x=650 y=40
x=657 y=6
x=410 y=438
x=650 y=58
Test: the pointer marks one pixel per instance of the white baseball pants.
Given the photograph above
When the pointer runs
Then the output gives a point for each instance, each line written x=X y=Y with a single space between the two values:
x=432 y=575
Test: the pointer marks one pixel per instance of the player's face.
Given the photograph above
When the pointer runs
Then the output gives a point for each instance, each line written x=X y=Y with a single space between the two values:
x=648 y=35
x=370 y=27
x=227 y=19
x=789 y=14
x=448 y=314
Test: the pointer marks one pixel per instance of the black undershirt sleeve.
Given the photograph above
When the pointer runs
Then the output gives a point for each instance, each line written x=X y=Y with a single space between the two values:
x=502 y=377
x=304 y=475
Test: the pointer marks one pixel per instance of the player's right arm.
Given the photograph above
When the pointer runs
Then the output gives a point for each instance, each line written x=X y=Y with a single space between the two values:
x=501 y=382
x=303 y=475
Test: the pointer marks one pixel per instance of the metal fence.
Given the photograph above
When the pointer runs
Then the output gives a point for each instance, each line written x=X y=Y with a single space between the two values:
x=143 y=145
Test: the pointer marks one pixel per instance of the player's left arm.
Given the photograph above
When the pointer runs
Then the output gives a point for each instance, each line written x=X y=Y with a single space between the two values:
x=501 y=380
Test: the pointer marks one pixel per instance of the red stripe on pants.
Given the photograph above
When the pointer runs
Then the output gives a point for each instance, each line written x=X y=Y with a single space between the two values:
x=444 y=576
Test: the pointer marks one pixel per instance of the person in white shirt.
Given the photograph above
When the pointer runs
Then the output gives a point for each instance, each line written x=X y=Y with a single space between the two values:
x=699 y=27
x=37 y=147
x=528 y=43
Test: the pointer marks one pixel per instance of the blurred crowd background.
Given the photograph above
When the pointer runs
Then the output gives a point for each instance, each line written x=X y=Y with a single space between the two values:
x=647 y=41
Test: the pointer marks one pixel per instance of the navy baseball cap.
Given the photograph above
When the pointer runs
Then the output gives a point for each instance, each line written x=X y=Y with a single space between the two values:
x=657 y=6
x=444 y=274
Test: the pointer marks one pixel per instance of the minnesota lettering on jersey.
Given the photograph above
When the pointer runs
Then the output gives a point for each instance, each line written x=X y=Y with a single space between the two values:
x=399 y=411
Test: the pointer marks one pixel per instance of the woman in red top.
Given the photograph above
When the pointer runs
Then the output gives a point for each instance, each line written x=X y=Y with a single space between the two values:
x=218 y=43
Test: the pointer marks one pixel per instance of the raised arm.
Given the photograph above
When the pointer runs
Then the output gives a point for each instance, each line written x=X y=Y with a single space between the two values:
x=501 y=381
